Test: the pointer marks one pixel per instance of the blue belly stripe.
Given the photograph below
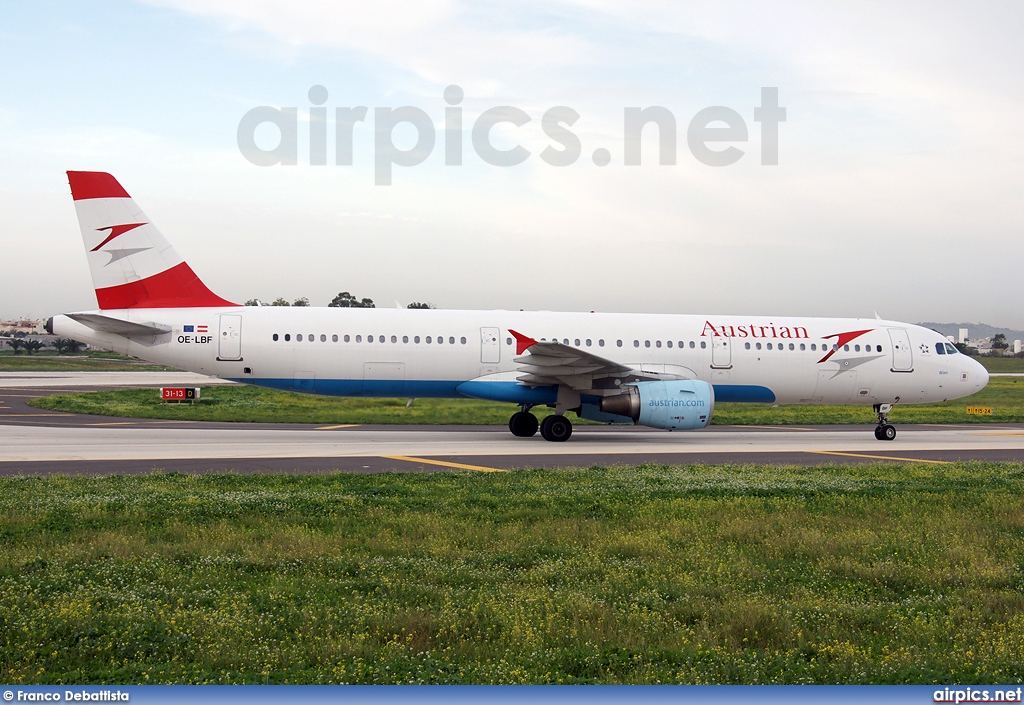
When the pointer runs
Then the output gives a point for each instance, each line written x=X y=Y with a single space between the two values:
x=510 y=392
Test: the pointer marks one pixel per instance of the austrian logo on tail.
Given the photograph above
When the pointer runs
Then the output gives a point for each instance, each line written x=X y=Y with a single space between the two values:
x=115 y=230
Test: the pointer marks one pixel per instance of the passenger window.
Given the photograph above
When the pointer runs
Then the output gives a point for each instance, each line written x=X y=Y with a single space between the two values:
x=856 y=348
x=287 y=337
x=647 y=343
x=508 y=341
x=451 y=340
x=359 y=338
x=462 y=340
x=299 y=337
x=618 y=343
x=405 y=339
x=657 y=343
x=792 y=347
x=311 y=338
x=668 y=343
x=565 y=341
x=275 y=337
x=746 y=346
x=835 y=347
x=416 y=339
x=846 y=348
x=802 y=346
x=323 y=338
x=588 y=342
x=703 y=345
x=813 y=347
x=577 y=342
x=334 y=338
x=769 y=346
x=600 y=343
x=757 y=345
x=878 y=348
x=394 y=339
x=347 y=339
x=636 y=343
x=692 y=345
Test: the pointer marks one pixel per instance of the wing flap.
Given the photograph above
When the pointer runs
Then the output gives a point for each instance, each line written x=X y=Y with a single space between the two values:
x=543 y=363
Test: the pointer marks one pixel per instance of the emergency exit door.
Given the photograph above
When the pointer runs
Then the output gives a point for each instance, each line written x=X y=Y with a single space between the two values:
x=490 y=345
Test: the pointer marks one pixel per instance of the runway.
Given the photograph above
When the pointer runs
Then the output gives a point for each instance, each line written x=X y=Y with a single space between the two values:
x=37 y=442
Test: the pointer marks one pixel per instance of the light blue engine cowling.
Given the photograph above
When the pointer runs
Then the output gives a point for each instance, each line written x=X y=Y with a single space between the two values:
x=675 y=405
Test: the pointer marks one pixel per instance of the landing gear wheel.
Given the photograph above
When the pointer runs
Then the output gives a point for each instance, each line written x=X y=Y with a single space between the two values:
x=556 y=428
x=885 y=431
x=523 y=424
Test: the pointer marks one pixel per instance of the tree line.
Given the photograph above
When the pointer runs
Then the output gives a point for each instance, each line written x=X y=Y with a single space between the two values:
x=61 y=345
x=343 y=300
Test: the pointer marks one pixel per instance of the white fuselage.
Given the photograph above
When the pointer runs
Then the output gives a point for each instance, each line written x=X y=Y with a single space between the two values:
x=432 y=353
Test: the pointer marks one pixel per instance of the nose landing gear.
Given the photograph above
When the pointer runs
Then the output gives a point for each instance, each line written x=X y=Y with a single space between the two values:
x=885 y=431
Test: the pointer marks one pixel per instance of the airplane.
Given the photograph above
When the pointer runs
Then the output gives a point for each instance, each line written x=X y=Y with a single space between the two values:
x=664 y=371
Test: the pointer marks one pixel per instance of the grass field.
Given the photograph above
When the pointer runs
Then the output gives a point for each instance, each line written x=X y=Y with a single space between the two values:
x=44 y=361
x=1002 y=364
x=1004 y=394
x=868 y=574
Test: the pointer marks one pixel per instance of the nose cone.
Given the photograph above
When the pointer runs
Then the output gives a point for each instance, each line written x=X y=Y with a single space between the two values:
x=978 y=374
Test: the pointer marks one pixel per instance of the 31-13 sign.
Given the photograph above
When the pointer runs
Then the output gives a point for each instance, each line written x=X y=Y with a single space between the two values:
x=179 y=393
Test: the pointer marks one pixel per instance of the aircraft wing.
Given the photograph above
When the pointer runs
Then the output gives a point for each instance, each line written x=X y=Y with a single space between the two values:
x=118 y=326
x=556 y=363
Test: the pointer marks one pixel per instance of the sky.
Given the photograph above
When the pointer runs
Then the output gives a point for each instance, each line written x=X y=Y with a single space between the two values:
x=897 y=189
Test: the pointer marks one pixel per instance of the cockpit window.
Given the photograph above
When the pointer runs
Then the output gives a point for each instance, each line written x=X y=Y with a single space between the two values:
x=951 y=349
x=939 y=350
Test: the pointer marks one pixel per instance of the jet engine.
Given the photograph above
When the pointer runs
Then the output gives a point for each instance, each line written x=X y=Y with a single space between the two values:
x=683 y=404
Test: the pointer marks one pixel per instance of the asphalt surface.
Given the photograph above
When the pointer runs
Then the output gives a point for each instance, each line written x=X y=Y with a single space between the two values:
x=38 y=442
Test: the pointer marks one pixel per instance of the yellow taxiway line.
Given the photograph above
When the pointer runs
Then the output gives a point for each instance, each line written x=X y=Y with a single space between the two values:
x=443 y=463
x=343 y=425
x=880 y=457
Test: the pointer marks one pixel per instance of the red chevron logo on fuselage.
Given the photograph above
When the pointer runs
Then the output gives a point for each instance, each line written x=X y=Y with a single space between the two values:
x=842 y=339
x=115 y=230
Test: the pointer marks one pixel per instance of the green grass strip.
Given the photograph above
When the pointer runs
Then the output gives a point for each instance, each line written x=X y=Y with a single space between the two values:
x=868 y=574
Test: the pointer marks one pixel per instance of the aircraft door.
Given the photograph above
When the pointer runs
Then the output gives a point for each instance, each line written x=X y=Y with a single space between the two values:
x=721 y=352
x=229 y=338
x=902 y=355
x=490 y=345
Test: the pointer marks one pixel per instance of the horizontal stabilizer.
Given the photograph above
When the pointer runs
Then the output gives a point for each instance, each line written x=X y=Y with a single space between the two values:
x=109 y=324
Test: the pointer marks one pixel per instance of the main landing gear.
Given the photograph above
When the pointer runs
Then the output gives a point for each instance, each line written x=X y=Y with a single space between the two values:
x=554 y=428
x=523 y=424
x=885 y=431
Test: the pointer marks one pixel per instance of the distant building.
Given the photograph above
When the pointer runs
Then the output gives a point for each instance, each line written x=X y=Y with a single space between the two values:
x=951 y=338
x=1017 y=348
x=963 y=335
x=24 y=325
